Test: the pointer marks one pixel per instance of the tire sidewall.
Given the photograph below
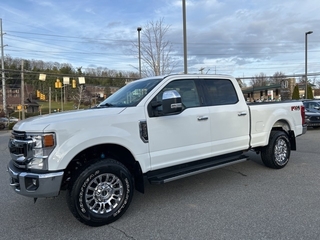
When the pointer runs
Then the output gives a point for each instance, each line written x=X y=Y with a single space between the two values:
x=277 y=137
x=268 y=152
x=284 y=137
x=78 y=192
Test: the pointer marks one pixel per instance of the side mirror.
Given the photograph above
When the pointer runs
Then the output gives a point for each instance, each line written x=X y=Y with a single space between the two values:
x=171 y=102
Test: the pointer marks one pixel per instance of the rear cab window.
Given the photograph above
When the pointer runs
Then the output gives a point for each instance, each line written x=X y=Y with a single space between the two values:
x=219 y=92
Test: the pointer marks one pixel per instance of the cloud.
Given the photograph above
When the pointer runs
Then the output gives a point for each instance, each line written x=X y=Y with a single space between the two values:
x=236 y=36
x=41 y=3
x=90 y=10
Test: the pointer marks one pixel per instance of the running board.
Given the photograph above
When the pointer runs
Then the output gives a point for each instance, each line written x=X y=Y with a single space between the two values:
x=186 y=170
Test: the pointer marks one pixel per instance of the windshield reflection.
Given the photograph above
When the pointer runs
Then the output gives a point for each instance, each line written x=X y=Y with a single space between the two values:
x=131 y=94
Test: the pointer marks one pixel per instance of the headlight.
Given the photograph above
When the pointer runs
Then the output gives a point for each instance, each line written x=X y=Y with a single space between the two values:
x=43 y=144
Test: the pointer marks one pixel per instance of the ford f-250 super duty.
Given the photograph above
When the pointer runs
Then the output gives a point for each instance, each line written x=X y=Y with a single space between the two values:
x=158 y=128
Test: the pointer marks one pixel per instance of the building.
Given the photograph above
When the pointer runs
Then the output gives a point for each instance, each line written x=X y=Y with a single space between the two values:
x=271 y=92
x=13 y=100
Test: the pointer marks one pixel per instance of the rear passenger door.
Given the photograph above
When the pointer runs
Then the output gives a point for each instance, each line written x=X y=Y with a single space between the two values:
x=229 y=117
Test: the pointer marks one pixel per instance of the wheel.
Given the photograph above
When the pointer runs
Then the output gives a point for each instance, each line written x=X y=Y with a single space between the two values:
x=101 y=193
x=277 y=153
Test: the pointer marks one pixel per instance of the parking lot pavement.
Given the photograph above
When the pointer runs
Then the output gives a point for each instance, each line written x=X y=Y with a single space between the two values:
x=243 y=201
x=5 y=132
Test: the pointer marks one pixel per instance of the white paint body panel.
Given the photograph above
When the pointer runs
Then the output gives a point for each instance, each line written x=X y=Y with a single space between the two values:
x=173 y=139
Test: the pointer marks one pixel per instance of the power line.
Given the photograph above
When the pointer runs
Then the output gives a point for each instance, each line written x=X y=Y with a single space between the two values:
x=60 y=51
x=30 y=72
x=231 y=53
x=249 y=44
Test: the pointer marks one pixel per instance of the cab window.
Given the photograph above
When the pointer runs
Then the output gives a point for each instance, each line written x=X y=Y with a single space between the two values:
x=187 y=90
x=220 y=92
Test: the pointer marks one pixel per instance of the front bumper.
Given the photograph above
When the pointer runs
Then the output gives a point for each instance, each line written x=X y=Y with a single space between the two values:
x=36 y=185
x=313 y=124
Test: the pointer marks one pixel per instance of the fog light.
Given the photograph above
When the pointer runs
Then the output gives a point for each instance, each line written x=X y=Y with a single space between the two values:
x=32 y=184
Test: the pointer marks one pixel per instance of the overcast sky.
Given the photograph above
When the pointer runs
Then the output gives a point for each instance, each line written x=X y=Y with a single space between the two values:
x=236 y=37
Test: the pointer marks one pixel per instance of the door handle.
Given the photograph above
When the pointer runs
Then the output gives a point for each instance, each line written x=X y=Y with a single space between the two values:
x=242 y=114
x=203 y=118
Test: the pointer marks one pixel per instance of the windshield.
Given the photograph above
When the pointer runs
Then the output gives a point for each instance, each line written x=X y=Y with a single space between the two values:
x=131 y=94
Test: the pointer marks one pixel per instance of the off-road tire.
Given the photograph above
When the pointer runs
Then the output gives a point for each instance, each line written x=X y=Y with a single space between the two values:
x=100 y=193
x=277 y=153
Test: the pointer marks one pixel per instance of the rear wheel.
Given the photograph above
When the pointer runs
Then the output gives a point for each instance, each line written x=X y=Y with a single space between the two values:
x=101 y=193
x=277 y=153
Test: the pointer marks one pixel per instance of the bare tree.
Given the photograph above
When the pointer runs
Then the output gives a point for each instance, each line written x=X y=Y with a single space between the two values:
x=277 y=78
x=156 y=58
x=78 y=97
x=315 y=82
x=259 y=80
x=241 y=83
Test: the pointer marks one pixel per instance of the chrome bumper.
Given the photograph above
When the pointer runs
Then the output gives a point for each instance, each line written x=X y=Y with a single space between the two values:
x=35 y=185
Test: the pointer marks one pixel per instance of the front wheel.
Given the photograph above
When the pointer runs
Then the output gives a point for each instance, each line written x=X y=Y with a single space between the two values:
x=277 y=153
x=101 y=193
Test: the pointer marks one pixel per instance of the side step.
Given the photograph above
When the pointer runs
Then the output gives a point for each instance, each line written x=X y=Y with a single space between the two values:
x=185 y=170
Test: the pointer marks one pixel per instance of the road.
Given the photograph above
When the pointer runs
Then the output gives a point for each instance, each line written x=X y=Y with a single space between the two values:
x=243 y=201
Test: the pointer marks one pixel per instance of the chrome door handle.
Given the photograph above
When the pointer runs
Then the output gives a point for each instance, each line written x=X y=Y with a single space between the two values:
x=203 y=118
x=242 y=114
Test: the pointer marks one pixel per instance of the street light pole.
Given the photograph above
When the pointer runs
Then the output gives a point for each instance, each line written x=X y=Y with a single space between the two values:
x=184 y=36
x=139 y=30
x=306 y=64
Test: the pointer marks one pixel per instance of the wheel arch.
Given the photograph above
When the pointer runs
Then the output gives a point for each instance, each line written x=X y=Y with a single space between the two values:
x=284 y=125
x=104 y=151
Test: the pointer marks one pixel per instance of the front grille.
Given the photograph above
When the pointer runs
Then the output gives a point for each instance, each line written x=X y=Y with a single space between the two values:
x=17 y=150
x=17 y=165
x=18 y=147
x=19 y=135
x=316 y=118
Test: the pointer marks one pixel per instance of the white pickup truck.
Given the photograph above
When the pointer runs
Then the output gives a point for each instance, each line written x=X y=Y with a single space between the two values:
x=158 y=128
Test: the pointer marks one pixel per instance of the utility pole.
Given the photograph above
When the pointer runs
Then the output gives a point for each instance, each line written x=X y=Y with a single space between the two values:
x=306 y=65
x=139 y=44
x=4 y=94
x=49 y=100
x=184 y=37
x=22 y=92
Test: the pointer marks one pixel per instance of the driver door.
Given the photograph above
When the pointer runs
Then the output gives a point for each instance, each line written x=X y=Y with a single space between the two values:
x=180 y=138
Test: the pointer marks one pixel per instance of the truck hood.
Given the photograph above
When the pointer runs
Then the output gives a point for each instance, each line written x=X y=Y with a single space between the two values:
x=51 y=122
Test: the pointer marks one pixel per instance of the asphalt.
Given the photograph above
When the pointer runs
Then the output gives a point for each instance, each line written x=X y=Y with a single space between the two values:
x=242 y=201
